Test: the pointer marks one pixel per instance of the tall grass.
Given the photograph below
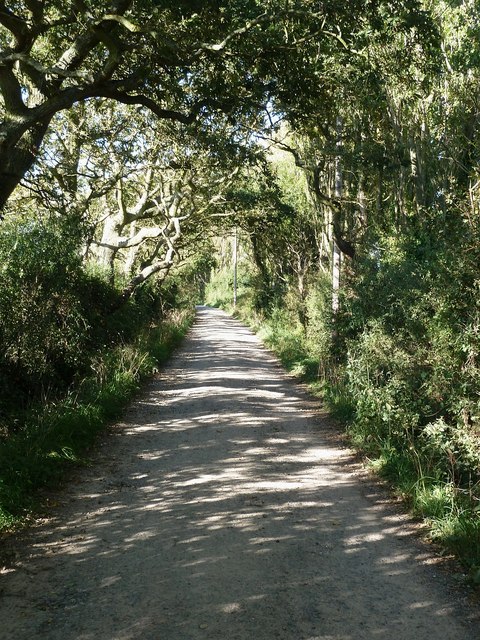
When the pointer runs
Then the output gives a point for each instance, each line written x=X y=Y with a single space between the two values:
x=54 y=437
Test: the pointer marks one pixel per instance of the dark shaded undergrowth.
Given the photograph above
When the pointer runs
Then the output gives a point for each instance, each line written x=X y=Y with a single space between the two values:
x=71 y=357
x=402 y=382
x=52 y=437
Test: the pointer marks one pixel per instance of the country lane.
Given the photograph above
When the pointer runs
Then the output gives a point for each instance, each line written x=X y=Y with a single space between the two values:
x=224 y=507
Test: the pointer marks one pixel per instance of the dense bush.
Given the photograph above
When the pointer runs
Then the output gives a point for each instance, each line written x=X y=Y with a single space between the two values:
x=400 y=364
x=411 y=365
x=56 y=315
x=71 y=356
x=43 y=330
x=411 y=376
x=52 y=436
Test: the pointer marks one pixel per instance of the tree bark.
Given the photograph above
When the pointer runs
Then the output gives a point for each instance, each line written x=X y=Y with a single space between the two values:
x=336 y=255
x=17 y=155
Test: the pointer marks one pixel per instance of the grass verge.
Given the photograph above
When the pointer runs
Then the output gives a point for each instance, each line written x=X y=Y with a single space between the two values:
x=451 y=513
x=52 y=438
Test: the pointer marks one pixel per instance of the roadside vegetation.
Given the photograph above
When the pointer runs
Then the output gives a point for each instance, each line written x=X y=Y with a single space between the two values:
x=358 y=265
x=71 y=361
x=375 y=393
x=330 y=151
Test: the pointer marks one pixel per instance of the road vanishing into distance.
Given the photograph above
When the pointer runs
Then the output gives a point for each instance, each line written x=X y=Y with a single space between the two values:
x=225 y=507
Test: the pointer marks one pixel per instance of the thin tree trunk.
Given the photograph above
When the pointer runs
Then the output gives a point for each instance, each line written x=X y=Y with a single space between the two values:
x=235 y=264
x=336 y=254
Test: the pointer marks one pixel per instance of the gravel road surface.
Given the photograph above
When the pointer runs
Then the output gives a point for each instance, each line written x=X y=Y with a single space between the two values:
x=224 y=507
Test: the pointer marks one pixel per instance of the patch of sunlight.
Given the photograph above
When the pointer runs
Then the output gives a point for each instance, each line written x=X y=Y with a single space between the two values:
x=256 y=598
x=76 y=546
x=257 y=451
x=422 y=605
x=230 y=607
x=154 y=426
x=193 y=539
x=109 y=581
x=370 y=536
x=355 y=550
x=400 y=572
x=324 y=454
x=399 y=557
x=248 y=419
x=141 y=535
x=157 y=505
x=211 y=478
x=208 y=560
x=270 y=539
x=306 y=504
x=277 y=485
x=151 y=455
x=243 y=521
x=446 y=611
x=209 y=417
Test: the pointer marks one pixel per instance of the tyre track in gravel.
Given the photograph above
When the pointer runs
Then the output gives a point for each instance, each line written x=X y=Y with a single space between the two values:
x=223 y=507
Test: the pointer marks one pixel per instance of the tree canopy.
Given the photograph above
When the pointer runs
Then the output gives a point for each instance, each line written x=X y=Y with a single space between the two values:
x=184 y=61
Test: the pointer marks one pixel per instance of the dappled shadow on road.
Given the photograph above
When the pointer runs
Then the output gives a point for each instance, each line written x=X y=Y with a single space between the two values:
x=226 y=514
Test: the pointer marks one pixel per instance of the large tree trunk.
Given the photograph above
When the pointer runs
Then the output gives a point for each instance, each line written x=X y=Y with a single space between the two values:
x=17 y=155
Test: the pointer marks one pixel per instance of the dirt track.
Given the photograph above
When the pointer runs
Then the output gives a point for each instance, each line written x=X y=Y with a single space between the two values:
x=224 y=508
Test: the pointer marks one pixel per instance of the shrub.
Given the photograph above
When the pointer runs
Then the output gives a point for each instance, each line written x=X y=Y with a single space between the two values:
x=43 y=332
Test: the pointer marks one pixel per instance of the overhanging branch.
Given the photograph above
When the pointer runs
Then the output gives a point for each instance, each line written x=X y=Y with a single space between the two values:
x=145 y=101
